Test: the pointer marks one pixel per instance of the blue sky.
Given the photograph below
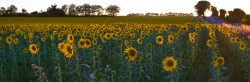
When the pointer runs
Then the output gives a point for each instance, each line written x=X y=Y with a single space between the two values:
x=132 y=6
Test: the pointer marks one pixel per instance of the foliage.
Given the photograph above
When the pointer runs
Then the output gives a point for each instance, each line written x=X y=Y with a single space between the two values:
x=222 y=13
x=214 y=11
x=201 y=7
x=236 y=15
x=113 y=10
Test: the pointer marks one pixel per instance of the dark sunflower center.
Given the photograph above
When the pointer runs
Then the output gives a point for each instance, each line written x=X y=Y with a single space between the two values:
x=87 y=42
x=108 y=35
x=159 y=39
x=9 y=39
x=171 y=39
x=132 y=53
x=71 y=37
x=69 y=49
x=170 y=63
x=62 y=46
x=81 y=42
x=220 y=61
x=33 y=48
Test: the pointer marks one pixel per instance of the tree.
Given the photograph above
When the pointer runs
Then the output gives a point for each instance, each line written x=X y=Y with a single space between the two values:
x=214 y=11
x=223 y=13
x=86 y=9
x=11 y=10
x=54 y=11
x=2 y=11
x=24 y=11
x=72 y=10
x=65 y=8
x=79 y=10
x=35 y=13
x=236 y=15
x=113 y=10
x=201 y=7
x=96 y=10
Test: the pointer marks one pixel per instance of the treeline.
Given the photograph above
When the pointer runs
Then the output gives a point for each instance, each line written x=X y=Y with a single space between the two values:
x=234 y=16
x=65 y=10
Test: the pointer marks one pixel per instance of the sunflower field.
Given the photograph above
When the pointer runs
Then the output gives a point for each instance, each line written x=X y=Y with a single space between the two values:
x=114 y=52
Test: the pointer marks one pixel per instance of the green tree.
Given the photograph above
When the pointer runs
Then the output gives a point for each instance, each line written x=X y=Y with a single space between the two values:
x=86 y=9
x=236 y=15
x=223 y=13
x=54 y=11
x=113 y=10
x=2 y=11
x=12 y=10
x=72 y=10
x=201 y=7
x=96 y=10
x=214 y=11
x=65 y=8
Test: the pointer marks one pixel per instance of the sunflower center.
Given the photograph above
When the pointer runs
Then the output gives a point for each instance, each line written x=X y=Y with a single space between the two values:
x=132 y=53
x=71 y=37
x=171 y=39
x=69 y=49
x=9 y=39
x=220 y=61
x=170 y=63
x=33 y=48
x=82 y=42
x=159 y=39
x=87 y=42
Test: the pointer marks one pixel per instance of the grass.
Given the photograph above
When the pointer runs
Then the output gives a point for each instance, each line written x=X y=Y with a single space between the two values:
x=96 y=20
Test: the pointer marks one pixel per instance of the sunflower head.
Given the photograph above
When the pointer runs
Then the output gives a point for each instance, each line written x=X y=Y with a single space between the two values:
x=16 y=40
x=218 y=61
x=132 y=53
x=159 y=39
x=81 y=43
x=61 y=46
x=88 y=43
x=242 y=46
x=70 y=38
x=170 y=38
x=68 y=50
x=139 y=41
x=33 y=48
x=169 y=64
x=100 y=47
x=8 y=40
x=209 y=43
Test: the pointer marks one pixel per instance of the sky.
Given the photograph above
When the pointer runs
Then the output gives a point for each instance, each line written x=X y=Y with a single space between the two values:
x=132 y=6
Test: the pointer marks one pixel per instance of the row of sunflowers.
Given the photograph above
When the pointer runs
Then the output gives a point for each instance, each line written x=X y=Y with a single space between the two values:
x=122 y=52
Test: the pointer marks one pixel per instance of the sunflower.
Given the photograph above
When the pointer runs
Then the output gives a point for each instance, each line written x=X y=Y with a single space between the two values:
x=88 y=43
x=61 y=46
x=139 y=41
x=43 y=39
x=159 y=39
x=237 y=40
x=132 y=53
x=104 y=39
x=209 y=43
x=70 y=38
x=25 y=50
x=68 y=50
x=169 y=64
x=211 y=34
x=218 y=61
x=81 y=43
x=192 y=40
x=8 y=40
x=170 y=38
x=16 y=40
x=248 y=37
x=242 y=46
x=233 y=40
x=94 y=42
x=33 y=48
x=100 y=47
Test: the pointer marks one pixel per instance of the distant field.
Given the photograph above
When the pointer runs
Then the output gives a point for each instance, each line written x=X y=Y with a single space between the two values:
x=96 y=20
